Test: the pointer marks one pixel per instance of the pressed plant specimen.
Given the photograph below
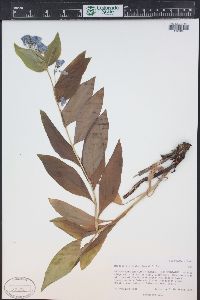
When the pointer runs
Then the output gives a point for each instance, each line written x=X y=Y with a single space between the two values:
x=99 y=180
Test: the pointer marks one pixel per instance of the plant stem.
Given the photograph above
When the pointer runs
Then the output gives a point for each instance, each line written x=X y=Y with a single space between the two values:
x=137 y=200
x=51 y=83
x=93 y=195
x=140 y=197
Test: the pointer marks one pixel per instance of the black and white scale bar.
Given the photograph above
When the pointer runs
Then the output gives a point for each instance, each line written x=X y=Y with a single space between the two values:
x=159 y=13
x=160 y=9
x=46 y=10
x=74 y=10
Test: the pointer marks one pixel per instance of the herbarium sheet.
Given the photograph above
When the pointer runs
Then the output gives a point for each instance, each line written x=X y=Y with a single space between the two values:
x=99 y=159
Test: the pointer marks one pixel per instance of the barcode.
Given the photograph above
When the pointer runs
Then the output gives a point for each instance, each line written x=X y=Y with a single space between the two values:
x=176 y=27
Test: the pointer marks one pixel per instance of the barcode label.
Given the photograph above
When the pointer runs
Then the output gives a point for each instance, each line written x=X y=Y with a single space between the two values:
x=177 y=27
x=98 y=11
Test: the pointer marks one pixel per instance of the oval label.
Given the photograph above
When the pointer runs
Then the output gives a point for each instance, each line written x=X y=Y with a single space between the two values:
x=19 y=287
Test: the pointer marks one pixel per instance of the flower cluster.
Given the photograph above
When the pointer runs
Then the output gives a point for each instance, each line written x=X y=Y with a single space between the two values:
x=59 y=64
x=34 y=43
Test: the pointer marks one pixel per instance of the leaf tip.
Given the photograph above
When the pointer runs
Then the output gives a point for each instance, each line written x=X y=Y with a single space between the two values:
x=82 y=266
x=51 y=201
x=92 y=80
x=104 y=113
x=101 y=91
x=58 y=37
x=43 y=286
x=82 y=54
x=42 y=114
x=40 y=156
x=16 y=48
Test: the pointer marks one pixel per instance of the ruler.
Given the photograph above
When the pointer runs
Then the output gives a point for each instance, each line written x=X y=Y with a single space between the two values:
x=161 y=9
x=87 y=10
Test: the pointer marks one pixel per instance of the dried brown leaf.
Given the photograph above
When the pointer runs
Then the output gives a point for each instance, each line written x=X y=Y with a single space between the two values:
x=90 y=250
x=59 y=144
x=95 y=144
x=67 y=84
x=111 y=179
x=77 y=101
x=64 y=175
x=76 y=231
x=88 y=114
x=62 y=263
x=73 y=214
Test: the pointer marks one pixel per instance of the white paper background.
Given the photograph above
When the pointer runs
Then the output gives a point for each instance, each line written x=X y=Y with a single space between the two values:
x=150 y=78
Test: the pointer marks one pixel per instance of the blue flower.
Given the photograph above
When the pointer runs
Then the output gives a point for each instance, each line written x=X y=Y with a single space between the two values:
x=40 y=47
x=36 y=39
x=59 y=63
x=34 y=42
x=26 y=39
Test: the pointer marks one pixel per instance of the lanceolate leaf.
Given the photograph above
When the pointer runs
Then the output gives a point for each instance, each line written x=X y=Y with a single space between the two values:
x=62 y=263
x=76 y=231
x=90 y=250
x=111 y=178
x=77 y=101
x=53 y=52
x=31 y=59
x=60 y=145
x=67 y=85
x=98 y=173
x=88 y=115
x=73 y=214
x=64 y=175
x=95 y=144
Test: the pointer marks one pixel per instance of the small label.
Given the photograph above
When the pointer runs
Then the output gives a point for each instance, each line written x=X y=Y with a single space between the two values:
x=177 y=27
x=19 y=288
x=105 y=11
